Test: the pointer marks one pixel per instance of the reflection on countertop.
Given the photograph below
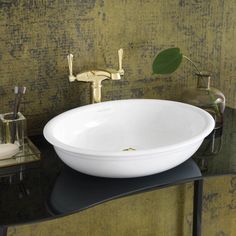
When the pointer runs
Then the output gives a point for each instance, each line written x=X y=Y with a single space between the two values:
x=217 y=154
x=74 y=191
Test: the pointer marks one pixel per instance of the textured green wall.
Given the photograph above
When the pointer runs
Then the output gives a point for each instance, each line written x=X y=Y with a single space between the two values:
x=166 y=212
x=36 y=36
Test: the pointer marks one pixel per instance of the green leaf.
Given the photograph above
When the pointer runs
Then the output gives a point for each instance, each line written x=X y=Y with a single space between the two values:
x=167 y=61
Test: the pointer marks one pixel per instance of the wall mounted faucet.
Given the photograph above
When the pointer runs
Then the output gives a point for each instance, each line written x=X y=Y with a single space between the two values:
x=96 y=76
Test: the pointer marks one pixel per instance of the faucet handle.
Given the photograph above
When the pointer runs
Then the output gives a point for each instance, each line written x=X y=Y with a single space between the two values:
x=120 y=56
x=70 y=62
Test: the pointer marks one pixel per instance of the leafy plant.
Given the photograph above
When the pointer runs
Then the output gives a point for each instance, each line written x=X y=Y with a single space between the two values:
x=169 y=60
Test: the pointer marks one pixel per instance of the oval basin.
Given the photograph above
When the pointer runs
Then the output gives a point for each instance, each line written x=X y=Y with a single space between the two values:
x=128 y=138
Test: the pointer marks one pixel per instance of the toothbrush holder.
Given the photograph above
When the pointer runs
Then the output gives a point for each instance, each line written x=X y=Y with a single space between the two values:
x=13 y=130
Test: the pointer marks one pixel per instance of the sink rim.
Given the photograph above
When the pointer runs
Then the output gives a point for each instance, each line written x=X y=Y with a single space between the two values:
x=210 y=123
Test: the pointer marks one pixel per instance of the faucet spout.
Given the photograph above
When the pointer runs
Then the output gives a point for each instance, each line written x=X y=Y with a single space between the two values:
x=96 y=91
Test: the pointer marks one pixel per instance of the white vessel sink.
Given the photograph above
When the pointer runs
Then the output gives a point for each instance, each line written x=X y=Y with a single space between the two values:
x=128 y=138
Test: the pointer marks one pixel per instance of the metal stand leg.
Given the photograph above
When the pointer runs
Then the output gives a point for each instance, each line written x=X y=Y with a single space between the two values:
x=3 y=231
x=197 y=207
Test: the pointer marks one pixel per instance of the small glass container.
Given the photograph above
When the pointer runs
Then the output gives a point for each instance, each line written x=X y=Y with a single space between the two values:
x=13 y=130
x=207 y=98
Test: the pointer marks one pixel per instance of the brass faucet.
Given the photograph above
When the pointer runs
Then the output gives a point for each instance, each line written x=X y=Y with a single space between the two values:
x=96 y=76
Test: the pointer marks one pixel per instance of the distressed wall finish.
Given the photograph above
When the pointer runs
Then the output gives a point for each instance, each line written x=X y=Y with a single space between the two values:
x=166 y=212
x=36 y=36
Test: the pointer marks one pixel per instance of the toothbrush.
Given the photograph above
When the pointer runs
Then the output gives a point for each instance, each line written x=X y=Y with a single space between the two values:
x=14 y=115
x=22 y=91
x=19 y=92
x=16 y=91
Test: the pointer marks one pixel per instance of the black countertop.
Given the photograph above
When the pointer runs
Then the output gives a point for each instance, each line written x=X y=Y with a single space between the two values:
x=50 y=189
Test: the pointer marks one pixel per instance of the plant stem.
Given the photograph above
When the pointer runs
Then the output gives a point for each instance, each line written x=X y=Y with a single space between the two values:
x=192 y=64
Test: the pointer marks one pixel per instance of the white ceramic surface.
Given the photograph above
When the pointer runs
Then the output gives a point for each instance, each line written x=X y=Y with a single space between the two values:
x=92 y=139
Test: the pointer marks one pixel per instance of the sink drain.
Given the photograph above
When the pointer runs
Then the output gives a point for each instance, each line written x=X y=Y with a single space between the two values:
x=129 y=149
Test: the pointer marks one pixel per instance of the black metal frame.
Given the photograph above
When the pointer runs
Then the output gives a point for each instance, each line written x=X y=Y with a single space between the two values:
x=197 y=210
x=197 y=207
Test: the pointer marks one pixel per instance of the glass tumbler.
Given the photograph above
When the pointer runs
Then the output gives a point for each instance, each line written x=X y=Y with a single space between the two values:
x=13 y=130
